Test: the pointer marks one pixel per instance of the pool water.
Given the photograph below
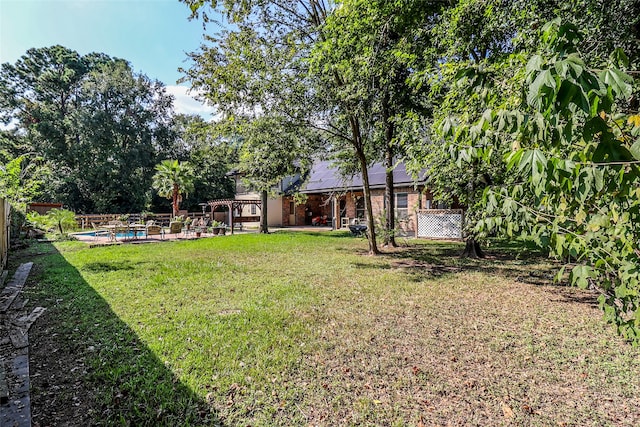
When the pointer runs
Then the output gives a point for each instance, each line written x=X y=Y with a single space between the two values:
x=129 y=235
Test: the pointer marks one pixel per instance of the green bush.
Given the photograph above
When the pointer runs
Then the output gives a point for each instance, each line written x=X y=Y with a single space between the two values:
x=59 y=221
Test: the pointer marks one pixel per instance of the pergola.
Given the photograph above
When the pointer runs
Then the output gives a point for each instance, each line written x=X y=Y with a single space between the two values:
x=232 y=205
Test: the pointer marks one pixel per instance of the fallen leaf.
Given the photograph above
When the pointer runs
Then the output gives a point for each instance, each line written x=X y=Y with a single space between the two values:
x=507 y=411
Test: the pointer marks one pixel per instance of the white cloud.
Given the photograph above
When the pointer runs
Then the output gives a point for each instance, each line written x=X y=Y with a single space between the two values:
x=186 y=104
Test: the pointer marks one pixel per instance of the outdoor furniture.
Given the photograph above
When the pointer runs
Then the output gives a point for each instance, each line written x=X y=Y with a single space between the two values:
x=344 y=222
x=175 y=227
x=200 y=226
x=135 y=229
x=153 y=229
x=99 y=232
x=358 y=230
x=115 y=228
x=121 y=228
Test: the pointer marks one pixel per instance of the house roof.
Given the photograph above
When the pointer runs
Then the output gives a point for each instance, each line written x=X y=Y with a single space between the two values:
x=325 y=177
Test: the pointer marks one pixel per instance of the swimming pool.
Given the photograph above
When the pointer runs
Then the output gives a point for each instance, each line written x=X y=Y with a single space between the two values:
x=128 y=235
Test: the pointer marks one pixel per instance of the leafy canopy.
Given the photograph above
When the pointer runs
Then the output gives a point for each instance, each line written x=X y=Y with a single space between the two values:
x=573 y=154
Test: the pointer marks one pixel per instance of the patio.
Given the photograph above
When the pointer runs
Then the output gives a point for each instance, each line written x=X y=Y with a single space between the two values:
x=104 y=240
x=165 y=235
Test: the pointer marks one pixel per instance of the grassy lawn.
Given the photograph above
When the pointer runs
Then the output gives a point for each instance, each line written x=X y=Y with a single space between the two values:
x=306 y=329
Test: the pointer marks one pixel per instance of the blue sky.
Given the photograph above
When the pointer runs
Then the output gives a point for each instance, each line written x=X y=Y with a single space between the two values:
x=153 y=35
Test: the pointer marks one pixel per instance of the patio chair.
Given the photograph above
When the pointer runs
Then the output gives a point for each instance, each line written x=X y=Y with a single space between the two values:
x=153 y=229
x=99 y=232
x=200 y=226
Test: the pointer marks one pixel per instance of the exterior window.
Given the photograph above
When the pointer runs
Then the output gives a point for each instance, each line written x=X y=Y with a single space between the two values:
x=253 y=209
x=402 y=206
x=360 y=208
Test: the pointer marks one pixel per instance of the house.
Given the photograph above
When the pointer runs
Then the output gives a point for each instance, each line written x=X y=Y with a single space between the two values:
x=341 y=199
x=328 y=194
x=246 y=207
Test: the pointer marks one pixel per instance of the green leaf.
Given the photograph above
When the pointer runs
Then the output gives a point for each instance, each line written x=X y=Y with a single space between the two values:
x=598 y=175
x=544 y=79
x=446 y=126
x=566 y=94
x=619 y=81
x=619 y=58
x=560 y=239
x=513 y=158
x=580 y=275
x=635 y=150
x=593 y=127
x=538 y=164
x=534 y=64
x=561 y=68
x=575 y=62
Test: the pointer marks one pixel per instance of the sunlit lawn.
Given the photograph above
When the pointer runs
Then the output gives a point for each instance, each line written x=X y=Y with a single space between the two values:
x=306 y=329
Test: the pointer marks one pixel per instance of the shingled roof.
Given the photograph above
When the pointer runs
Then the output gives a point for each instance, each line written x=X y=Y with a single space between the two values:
x=325 y=177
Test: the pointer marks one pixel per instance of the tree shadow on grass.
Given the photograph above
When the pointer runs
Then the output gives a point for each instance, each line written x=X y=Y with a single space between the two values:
x=570 y=297
x=336 y=234
x=105 y=267
x=87 y=366
x=511 y=260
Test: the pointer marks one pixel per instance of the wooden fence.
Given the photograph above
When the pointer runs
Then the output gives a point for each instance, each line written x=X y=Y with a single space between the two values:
x=4 y=233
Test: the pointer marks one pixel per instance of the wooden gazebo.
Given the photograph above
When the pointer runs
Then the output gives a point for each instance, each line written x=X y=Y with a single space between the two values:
x=234 y=205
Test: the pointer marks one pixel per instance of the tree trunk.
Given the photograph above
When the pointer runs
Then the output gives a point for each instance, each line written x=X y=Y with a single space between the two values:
x=358 y=146
x=264 y=199
x=389 y=195
x=175 y=204
x=371 y=231
x=389 y=191
x=472 y=249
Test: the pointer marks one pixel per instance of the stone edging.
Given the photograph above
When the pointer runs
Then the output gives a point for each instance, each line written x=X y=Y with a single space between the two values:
x=15 y=402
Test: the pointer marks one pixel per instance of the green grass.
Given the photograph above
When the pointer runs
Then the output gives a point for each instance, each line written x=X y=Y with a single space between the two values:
x=306 y=329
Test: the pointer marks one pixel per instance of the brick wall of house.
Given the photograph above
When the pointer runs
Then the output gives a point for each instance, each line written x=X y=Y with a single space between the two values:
x=415 y=200
x=316 y=204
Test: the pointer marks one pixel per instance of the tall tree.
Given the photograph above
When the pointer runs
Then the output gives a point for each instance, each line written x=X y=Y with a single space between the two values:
x=263 y=67
x=173 y=179
x=97 y=124
x=211 y=157
x=269 y=152
x=471 y=56
x=124 y=124
x=375 y=45
x=571 y=139
x=19 y=182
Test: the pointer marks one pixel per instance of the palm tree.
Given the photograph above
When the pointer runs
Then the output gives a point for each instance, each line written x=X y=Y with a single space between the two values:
x=171 y=180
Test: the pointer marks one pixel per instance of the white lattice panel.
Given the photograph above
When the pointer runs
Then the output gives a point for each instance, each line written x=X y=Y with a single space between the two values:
x=440 y=223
